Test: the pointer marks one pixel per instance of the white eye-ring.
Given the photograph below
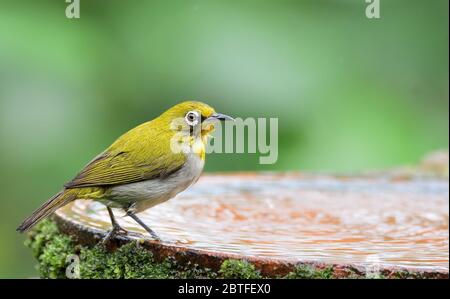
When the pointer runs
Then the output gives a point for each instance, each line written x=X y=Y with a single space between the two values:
x=192 y=118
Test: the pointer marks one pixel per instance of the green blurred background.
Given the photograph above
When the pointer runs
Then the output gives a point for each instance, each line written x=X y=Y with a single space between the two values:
x=350 y=93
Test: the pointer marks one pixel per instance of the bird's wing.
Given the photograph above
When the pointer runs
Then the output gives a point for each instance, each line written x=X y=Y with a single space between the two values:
x=131 y=160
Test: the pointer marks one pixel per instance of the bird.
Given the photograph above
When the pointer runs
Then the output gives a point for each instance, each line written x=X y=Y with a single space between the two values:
x=144 y=167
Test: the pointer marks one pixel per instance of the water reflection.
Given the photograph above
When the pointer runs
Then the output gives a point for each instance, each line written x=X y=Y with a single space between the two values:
x=299 y=218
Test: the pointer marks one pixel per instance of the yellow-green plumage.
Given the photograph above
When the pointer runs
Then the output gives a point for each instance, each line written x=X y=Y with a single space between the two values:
x=130 y=159
x=143 y=154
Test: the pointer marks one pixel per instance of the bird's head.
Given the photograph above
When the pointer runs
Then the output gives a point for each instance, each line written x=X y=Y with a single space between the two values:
x=195 y=118
x=190 y=124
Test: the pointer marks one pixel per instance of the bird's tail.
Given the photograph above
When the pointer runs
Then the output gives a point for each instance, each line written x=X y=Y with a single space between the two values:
x=54 y=203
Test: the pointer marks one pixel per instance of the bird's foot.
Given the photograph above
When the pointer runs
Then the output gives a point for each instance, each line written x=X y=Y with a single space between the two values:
x=155 y=236
x=116 y=230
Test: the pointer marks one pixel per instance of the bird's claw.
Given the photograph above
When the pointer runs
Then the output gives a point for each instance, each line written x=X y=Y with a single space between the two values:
x=156 y=237
x=116 y=230
x=144 y=237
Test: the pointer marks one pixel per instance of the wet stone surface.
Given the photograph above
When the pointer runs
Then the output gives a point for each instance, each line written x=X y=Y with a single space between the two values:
x=369 y=223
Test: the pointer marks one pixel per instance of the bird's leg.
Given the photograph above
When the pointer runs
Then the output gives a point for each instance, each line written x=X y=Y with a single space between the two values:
x=116 y=228
x=148 y=229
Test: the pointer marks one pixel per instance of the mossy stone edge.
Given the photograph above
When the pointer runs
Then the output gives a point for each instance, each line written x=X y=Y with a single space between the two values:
x=55 y=245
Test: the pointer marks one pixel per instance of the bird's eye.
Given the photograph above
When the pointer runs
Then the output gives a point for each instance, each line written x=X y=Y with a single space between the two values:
x=192 y=118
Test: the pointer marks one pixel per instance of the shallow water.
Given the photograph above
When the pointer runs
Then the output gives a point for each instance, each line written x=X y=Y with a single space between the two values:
x=292 y=217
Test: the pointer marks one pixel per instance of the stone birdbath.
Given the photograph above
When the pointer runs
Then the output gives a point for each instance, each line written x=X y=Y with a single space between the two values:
x=391 y=224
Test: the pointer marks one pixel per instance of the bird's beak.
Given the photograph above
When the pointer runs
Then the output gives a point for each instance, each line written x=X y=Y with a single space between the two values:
x=220 y=116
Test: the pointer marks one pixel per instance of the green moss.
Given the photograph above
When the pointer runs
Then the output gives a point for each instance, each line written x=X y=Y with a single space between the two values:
x=53 y=251
x=129 y=261
x=310 y=272
x=238 y=269
x=40 y=236
x=403 y=275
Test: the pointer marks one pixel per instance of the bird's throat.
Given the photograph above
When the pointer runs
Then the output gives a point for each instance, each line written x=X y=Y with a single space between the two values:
x=198 y=147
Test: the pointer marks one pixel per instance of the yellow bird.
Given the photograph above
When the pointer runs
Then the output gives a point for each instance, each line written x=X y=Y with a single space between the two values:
x=146 y=166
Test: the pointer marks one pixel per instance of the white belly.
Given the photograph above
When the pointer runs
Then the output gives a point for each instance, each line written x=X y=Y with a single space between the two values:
x=146 y=194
